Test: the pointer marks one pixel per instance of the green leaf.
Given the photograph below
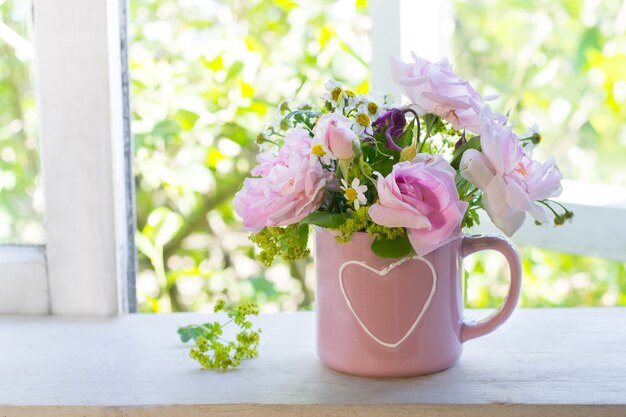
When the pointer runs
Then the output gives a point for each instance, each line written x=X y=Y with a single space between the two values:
x=406 y=138
x=237 y=133
x=431 y=121
x=384 y=165
x=262 y=285
x=193 y=331
x=326 y=219
x=391 y=248
x=186 y=119
x=293 y=242
x=473 y=143
x=166 y=129
x=234 y=70
x=303 y=236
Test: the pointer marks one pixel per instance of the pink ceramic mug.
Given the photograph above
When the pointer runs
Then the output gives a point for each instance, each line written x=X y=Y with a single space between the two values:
x=389 y=318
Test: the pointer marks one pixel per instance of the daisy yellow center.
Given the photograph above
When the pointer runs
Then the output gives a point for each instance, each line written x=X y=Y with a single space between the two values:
x=363 y=119
x=318 y=150
x=350 y=93
x=372 y=108
x=335 y=92
x=351 y=194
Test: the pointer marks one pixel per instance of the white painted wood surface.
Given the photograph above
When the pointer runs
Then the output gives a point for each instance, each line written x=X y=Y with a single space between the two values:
x=80 y=99
x=426 y=29
x=385 y=38
x=597 y=228
x=402 y=26
x=23 y=280
x=550 y=362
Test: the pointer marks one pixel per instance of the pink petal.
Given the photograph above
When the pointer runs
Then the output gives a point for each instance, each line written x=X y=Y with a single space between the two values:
x=391 y=217
x=474 y=168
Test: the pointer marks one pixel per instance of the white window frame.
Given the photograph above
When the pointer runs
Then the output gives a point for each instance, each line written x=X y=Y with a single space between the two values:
x=87 y=265
x=595 y=230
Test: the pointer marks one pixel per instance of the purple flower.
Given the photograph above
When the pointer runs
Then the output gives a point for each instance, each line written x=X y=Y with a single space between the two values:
x=395 y=122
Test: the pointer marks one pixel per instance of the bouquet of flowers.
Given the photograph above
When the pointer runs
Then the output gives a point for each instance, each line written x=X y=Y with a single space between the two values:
x=413 y=176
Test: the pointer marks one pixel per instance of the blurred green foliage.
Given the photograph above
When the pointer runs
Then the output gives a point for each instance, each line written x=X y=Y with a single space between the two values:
x=21 y=202
x=199 y=105
x=562 y=65
x=207 y=75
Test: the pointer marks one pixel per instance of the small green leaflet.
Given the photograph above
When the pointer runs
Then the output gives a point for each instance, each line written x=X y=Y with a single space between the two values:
x=391 y=248
x=473 y=143
x=192 y=332
x=326 y=219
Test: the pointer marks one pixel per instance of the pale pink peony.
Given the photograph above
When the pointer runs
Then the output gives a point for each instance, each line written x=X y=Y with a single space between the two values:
x=421 y=196
x=297 y=141
x=511 y=180
x=434 y=88
x=289 y=186
x=333 y=132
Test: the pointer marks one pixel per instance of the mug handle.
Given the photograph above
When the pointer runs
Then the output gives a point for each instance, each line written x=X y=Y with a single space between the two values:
x=471 y=244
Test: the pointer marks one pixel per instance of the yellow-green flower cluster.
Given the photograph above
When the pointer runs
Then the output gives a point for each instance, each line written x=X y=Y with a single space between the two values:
x=288 y=242
x=361 y=222
x=356 y=223
x=211 y=351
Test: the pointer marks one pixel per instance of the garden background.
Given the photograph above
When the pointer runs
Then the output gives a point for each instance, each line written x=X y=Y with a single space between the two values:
x=207 y=75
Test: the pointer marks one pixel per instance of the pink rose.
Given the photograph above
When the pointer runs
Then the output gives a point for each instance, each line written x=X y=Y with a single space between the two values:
x=290 y=185
x=332 y=131
x=511 y=180
x=434 y=88
x=296 y=141
x=421 y=196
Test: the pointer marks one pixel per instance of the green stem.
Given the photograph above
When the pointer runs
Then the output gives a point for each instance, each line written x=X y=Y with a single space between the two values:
x=558 y=204
x=227 y=323
x=362 y=169
x=544 y=202
x=417 y=121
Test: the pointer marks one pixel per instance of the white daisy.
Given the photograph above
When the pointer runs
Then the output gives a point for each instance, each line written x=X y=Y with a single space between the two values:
x=370 y=106
x=362 y=123
x=333 y=92
x=322 y=152
x=355 y=193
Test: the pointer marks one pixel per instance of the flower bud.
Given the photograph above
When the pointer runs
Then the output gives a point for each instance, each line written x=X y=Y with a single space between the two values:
x=535 y=138
x=284 y=107
x=408 y=153
x=285 y=124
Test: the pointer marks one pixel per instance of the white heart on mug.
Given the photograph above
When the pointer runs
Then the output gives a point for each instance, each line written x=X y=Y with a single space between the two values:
x=382 y=273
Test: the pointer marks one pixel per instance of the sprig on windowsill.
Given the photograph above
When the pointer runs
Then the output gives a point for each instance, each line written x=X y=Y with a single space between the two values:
x=211 y=351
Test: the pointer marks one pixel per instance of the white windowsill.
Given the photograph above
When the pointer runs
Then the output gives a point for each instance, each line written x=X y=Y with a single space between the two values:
x=557 y=362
